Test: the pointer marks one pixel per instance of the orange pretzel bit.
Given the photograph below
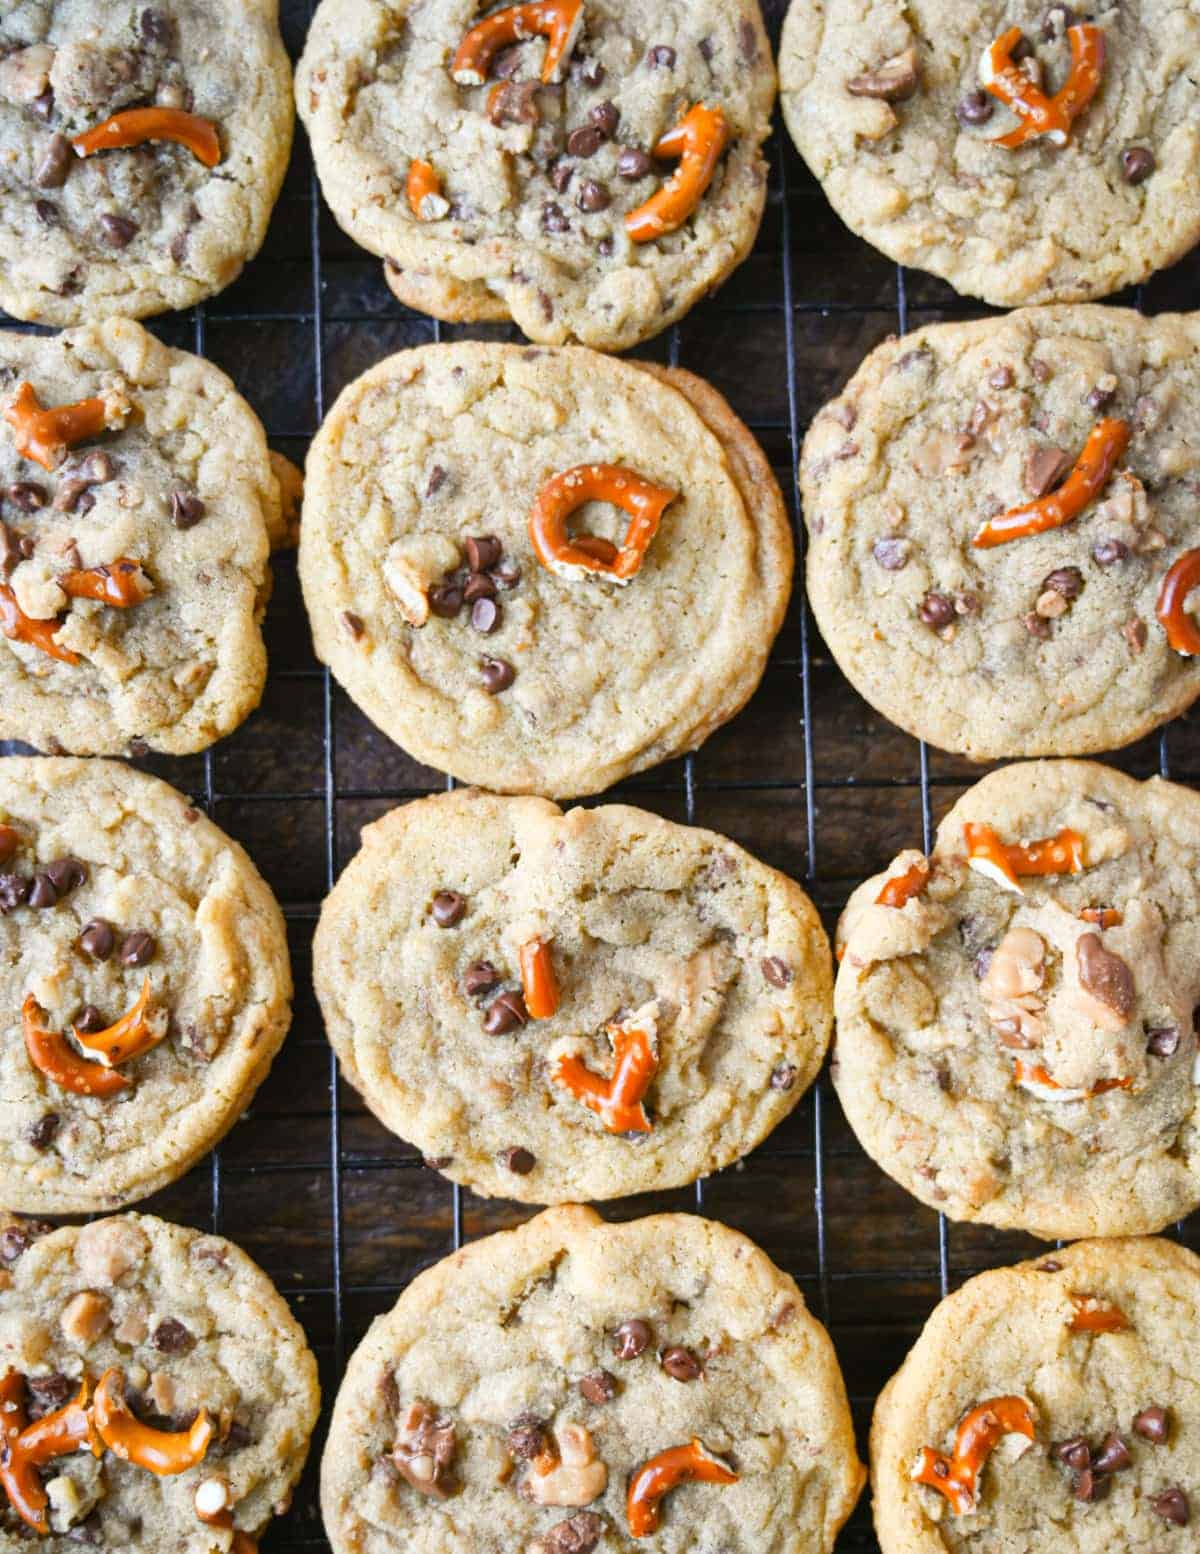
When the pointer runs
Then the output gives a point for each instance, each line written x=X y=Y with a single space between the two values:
x=698 y=141
x=1003 y=863
x=1039 y=114
x=1035 y=1078
x=901 y=888
x=558 y=21
x=18 y=1476
x=19 y=627
x=538 y=982
x=121 y=583
x=69 y=1429
x=424 y=192
x=1101 y=454
x=52 y=1055
x=566 y=493
x=656 y=1478
x=45 y=435
x=135 y=126
x=1181 y=629
x=242 y=1543
x=957 y=1476
x=164 y=1452
x=1090 y=1318
x=617 y=1101
x=129 y=1037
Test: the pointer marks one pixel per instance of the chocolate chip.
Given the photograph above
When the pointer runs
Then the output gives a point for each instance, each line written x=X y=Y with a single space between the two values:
x=70 y=494
x=1137 y=163
x=1162 y=1042
x=27 y=495
x=41 y=1133
x=893 y=82
x=354 y=624
x=680 y=1363
x=561 y=174
x=1113 y=1455
x=661 y=57
x=1037 y=626
x=171 y=1337
x=437 y=479
x=526 y=1437
x=892 y=555
x=505 y=1013
x=1056 y=21
x=485 y=616
x=598 y=1386
x=777 y=972
x=445 y=599
x=1090 y=1486
x=507 y=62
x=483 y=552
x=480 y=977
x=590 y=71
x=13 y=1242
x=1051 y=1265
x=52 y=170
x=137 y=948
x=1067 y=581
x=519 y=1161
x=606 y=116
x=632 y=1338
x=634 y=164
x=706 y=50
x=1104 y=975
x=1001 y=378
x=1107 y=553
x=1152 y=1425
x=975 y=108
x=936 y=610
x=66 y=874
x=98 y=939
x=155 y=26
x=1021 y=49
x=1099 y=397
x=47 y=1393
x=593 y=196
x=553 y=219
x=186 y=508
x=514 y=102
x=584 y=141
x=1172 y=1506
x=43 y=105
x=1044 y=469
x=448 y=908
x=117 y=231
x=497 y=674
x=89 y=1020
x=42 y=893
x=14 y=892
x=479 y=586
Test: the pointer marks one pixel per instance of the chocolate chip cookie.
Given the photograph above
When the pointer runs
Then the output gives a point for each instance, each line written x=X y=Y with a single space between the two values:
x=1015 y=1013
x=589 y=168
x=573 y=1385
x=156 y=1392
x=580 y=1005
x=146 y=985
x=1002 y=518
x=1025 y=152
x=1050 y=1404
x=137 y=502
x=540 y=569
x=141 y=150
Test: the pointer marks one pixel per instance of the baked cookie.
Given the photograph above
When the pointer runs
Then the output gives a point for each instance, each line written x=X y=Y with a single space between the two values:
x=448 y=596
x=589 y=168
x=157 y=1393
x=1015 y=1033
x=1023 y=152
x=146 y=985
x=141 y=150
x=1050 y=1405
x=1002 y=522
x=572 y=1385
x=557 y=1006
x=137 y=499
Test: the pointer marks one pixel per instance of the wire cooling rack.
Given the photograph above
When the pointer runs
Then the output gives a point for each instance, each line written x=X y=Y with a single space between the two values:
x=340 y=1213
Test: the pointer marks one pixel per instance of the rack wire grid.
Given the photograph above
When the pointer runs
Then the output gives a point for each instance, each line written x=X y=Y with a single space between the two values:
x=338 y=1211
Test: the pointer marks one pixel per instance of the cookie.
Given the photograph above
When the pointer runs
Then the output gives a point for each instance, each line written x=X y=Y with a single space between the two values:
x=573 y=1385
x=1050 y=1404
x=1015 y=1036
x=172 y=1357
x=1023 y=153
x=557 y=1006
x=1002 y=529
x=448 y=597
x=146 y=985
x=587 y=168
x=136 y=503
x=141 y=151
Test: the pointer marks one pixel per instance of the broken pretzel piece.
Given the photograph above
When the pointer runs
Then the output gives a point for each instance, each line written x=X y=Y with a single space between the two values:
x=558 y=21
x=697 y=141
x=44 y=435
x=901 y=888
x=564 y=494
x=979 y=1432
x=656 y=1478
x=617 y=1101
x=19 y=627
x=1181 y=578
x=1040 y=115
x=1094 y=1316
x=134 y=1033
x=164 y=1452
x=538 y=982
x=121 y=583
x=423 y=191
x=1093 y=469
x=135 y=126
x=52 y=1055
x=1003 y=863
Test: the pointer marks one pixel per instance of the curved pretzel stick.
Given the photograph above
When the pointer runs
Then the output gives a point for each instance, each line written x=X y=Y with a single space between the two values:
x=164 y=1452
x=1093 y=469
x=1003 y=862
x=1039 y=114
x=121 y=583
x=564 y=494
x=128 y=1037
x=1182 y=632
x=44 y=435
x=957 y=1476
x=698 y=141
x=664 y=1472
x=135 y=126
x=558 y=21
x=19 y=627
x=52 y=1055
x=617 y=1101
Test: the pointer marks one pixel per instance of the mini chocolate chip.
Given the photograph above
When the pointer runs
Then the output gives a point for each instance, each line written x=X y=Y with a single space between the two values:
x=706 y=50
x=975 y=108
x=1056 y=21
x=680 y=1363
x=446 y=600
x=561 y=174
x=777 y=972
x=519 y=1161
x=1067 y=581
x=505 y=1013
x=590 y=71
x=437 y=479
x=1163 y=1041
x=1151 y=1424
x=448 y=908
x=171 y=1337
x=1104 y=975
x=593 y=196
x=483 y=552
x=1107 y=553
x=507 y=62
x=1099 y=398
x=553 y=219
x=27 y=495
x=507 y=575
x=606 y=116
x=526 y=1437
x=186 y=508
x=480 y=977
x=43 y=893
x=783 y=1076
x=981 y=963
x=1021 y=49
x=598 y=1386
x=69 y=496
x=1113 y=1455
x=41 y=1133
x=485 y=616
x=52 y=170
x=661 y=56
x=10 y=549
x=1090 y=1486
x=936 y=610
x=634 y=164
x=137 y=948
x=584 y=141
x=155 y=26
x=632 y=1338
x=14 y=892
x=236 y=1437
x=892 y=555
x=117 y=231
x=605 y=247
x=354 y=624
x=98 y=939
x=497 y=675
x=479 y=586
x=89 y=1020
x=1172 y=1506
x=13 y=1242
x=1137 y=163
x=66 y=873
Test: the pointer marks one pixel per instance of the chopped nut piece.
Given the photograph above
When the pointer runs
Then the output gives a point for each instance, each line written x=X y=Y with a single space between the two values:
x=579 y=1534
x=108 y=1249
x=85 y=1317
x=577 y=1477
